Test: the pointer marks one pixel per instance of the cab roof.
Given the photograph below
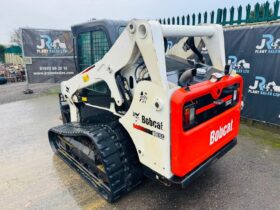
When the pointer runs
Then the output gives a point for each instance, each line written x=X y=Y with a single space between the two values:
x=109 y=25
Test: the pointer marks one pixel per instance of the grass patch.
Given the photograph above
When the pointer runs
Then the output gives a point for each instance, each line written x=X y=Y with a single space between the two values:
x=263 y=136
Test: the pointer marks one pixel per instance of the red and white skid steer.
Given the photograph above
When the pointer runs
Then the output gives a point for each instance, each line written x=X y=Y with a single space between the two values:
x=146 y=109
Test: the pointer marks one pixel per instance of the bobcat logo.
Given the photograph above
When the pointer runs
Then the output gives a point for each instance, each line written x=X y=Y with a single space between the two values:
x=136 y=116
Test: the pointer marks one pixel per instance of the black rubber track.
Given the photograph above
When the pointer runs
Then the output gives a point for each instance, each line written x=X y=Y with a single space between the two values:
x=117 y=152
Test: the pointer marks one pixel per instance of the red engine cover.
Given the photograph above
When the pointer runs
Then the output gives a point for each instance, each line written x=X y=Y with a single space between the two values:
x=192 y=147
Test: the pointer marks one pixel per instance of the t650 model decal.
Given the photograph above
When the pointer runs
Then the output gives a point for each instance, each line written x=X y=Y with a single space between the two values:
x=151 y=132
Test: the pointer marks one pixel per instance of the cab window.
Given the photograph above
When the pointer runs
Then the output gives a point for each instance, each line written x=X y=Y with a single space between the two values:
x=84 y=50
x=100 y=45
x=92 y=46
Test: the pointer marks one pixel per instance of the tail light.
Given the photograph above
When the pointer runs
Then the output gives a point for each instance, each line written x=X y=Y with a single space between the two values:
x=234 y=95
x=206 y=107
x=233 y=91
x=189 y=116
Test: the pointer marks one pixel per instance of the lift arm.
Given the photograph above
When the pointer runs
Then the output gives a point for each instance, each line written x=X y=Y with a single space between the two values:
x=144 y=38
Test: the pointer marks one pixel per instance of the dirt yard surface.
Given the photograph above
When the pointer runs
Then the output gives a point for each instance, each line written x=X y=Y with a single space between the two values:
x=32 y=177
x=14 y=91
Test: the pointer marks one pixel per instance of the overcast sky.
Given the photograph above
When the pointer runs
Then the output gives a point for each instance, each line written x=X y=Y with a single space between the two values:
x=61 y=14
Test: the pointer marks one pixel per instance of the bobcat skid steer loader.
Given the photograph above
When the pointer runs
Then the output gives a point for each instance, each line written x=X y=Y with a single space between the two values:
x=143 y=109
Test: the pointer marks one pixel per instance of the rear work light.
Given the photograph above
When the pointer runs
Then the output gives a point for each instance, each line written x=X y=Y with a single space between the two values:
x=189 y=116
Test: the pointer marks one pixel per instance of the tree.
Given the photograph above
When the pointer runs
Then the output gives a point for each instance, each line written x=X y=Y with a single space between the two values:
x=2 y=49
x=16 y=37
x=261 y=12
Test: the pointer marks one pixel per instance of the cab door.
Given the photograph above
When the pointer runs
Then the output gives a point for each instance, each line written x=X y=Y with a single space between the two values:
x=91 y=47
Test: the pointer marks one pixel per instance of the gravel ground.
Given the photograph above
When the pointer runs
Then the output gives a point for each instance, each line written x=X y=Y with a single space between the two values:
x=14 y=91
x=32 y=177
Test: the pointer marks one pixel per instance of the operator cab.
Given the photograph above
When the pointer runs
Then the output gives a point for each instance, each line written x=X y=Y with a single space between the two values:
x=92 y=40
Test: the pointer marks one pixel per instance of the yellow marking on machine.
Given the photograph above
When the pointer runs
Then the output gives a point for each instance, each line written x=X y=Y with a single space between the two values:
x=85 y=78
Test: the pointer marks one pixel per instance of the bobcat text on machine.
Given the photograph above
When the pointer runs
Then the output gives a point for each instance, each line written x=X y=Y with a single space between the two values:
x=143 y=108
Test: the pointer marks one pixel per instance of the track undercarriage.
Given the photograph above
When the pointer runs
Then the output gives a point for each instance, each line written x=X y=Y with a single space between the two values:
x=101 y=154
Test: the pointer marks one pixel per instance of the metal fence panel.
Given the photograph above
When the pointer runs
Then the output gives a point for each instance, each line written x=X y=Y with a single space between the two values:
x=226 y=16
